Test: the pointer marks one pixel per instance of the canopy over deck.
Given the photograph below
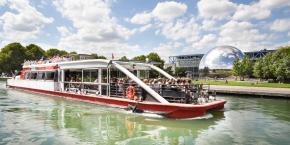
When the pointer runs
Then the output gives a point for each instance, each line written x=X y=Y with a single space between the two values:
x=101 y=63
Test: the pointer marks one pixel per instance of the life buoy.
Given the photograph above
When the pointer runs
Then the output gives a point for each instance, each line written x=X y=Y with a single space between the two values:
x=130 y=92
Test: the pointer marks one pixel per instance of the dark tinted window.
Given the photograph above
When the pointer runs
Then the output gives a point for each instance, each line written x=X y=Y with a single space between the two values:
x=49 y=75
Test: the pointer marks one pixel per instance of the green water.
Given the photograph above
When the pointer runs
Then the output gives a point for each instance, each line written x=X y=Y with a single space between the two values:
x=28 y=119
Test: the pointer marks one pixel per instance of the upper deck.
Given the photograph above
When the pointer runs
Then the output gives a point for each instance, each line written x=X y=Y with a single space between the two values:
x=110 y=78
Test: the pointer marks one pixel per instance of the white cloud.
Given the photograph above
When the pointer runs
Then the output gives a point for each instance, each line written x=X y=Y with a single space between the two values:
x=95 y=30
x=182 y=29
x=141 y=18
x=243 y=35
x=216 y=9
x=146 y=27
x=167 y=11
x=289 y=34
x=258 y=10
x=255 y=11
x=164 y=11
x=207 y=41
x=281 y=25
x=168 y=49
x=23 y=22
x=209 y=25
x=274 y=3
x=3 y=2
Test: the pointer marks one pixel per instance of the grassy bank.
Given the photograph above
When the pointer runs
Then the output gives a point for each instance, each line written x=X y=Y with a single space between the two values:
x=243 y=83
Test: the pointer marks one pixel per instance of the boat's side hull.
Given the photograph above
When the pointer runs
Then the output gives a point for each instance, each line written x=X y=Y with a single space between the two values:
x=170 y=110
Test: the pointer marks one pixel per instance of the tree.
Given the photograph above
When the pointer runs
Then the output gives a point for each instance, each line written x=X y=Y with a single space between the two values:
x=73 y=52
x=237 y=67
x=141 y=58
x=154 y=57
x=54 y=52
x=102 y=57
x=204 y=72
x=267 y=69
x=257 y=69
x=12 y=56
x=124 y=58
x=282 y=69
x=247 y=66
x=94 y=56
x=169 y=70
x=180 y=71
x=34 y=52
x=243 y=67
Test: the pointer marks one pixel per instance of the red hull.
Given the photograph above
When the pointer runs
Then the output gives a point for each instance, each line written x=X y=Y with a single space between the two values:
x=171 y=110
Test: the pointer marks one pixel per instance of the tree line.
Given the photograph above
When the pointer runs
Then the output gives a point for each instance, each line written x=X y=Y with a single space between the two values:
x=274 y=66
x=14 y=54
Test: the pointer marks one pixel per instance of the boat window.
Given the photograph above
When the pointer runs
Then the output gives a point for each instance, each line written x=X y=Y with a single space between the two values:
x=40 y=75
x=104 y=90
x=56 y=76
x=90 y=75
x=49 y=75
x=104 y=76
x=33 y=75
x=26 y=75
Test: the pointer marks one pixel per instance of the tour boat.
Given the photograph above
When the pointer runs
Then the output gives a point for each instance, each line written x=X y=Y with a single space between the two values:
x=96 y=81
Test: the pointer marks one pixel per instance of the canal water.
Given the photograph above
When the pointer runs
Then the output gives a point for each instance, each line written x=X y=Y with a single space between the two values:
x=28 y=119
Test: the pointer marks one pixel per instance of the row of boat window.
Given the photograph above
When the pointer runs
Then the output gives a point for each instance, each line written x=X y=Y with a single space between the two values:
x=50 y=75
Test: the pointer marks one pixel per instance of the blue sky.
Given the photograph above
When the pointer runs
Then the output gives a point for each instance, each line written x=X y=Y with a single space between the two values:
x=133 y=28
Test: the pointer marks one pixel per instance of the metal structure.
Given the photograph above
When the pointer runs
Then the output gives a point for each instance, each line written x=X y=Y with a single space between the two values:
x=190 y=62
x=254 y=55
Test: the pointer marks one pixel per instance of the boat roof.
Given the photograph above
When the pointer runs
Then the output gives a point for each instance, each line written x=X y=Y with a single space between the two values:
x=91 y=63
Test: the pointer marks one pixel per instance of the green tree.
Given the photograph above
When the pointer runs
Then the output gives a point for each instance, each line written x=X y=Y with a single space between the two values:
x=94 y=56
x=282 y=71
x=34 y=52
x=141 y=58
x=169 y=70
x=267 y=68
x=247 y=66
x=257 y=69
x=237 y=67
x=54 y=52
x=180 y=71
x=204 y=72
x=12 y=56
x=102 y=57
x=154 y=57
x=243 y=67
x=73 y=52
x=124 y=58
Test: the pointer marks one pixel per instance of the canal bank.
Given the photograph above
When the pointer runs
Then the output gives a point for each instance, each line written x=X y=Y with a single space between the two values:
x=256 y=91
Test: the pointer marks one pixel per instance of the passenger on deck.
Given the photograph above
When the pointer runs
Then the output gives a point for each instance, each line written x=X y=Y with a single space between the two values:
x=131 y=92
x=121 y=87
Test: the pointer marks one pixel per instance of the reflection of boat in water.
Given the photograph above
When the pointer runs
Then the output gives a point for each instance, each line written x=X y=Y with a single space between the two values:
x=95 y=81
x=104 y=126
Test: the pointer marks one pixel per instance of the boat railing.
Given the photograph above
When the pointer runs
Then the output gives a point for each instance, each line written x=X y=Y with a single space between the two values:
x=172 y=93
x=119 y=89
x=189 y=94
x=86 y=87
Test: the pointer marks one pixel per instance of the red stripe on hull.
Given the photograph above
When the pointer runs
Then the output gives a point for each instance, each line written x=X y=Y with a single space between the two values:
x=171 y=110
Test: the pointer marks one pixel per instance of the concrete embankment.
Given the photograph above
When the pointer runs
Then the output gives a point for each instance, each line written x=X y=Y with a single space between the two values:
x=257 y=91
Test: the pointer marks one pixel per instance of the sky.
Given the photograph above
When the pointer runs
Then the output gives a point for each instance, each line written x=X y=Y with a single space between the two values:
x=136 y=27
